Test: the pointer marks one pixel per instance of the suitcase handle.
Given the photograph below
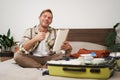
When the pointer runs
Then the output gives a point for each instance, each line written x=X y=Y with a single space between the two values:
x=95 y=70
x=74 y=69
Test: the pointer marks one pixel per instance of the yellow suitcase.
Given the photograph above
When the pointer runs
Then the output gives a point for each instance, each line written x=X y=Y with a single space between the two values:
x=101 y=71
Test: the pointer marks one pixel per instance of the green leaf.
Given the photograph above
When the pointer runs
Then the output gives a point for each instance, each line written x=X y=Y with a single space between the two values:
x=8 y=33
x=0 y=46
x=114 y=48
x=110 y=39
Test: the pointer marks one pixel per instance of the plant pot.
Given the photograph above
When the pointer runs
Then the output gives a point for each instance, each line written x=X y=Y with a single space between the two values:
x=6 y=55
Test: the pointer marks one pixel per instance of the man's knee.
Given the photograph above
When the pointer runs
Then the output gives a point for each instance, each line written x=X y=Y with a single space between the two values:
x=17 y=55
x=26 y=61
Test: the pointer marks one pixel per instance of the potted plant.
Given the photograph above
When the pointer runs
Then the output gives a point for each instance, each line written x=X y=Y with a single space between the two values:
x=110 y=40
x=6 y=43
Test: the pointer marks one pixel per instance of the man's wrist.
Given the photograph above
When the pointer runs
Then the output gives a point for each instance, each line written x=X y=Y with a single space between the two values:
x=23 y=50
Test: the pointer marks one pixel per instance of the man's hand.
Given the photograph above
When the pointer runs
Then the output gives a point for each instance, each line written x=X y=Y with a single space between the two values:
x=66 y=46
x=40 y=36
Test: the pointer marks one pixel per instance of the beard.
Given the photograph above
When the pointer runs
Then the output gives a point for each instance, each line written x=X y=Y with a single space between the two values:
x=44 y=25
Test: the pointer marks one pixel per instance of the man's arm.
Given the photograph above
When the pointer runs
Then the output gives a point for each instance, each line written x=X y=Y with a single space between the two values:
x=30 y=43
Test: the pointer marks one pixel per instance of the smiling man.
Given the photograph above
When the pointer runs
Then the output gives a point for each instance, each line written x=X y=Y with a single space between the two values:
x=37 y=44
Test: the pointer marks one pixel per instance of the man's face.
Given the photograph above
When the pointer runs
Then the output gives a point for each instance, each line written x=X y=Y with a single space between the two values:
x=45 y=19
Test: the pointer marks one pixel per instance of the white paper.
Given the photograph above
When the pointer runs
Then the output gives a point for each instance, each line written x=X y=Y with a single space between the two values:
x=61 y=37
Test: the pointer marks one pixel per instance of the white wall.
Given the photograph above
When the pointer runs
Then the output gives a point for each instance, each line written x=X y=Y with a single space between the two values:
x=21 y=14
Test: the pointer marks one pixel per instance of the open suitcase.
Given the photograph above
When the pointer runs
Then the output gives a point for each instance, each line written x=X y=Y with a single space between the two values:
x=99 y=71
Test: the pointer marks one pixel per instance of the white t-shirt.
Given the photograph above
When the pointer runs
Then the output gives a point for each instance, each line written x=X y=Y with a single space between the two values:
x=42 y=49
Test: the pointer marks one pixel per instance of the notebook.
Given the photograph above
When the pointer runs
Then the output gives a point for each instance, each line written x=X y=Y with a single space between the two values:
x=61 y=37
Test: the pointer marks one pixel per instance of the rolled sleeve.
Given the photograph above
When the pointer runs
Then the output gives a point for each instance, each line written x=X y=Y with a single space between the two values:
x=25 y=38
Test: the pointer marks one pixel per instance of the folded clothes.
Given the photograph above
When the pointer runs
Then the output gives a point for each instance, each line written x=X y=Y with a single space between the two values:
x=99 y=53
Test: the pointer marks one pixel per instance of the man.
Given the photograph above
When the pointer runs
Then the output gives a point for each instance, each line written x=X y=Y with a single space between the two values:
x=37 y=44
